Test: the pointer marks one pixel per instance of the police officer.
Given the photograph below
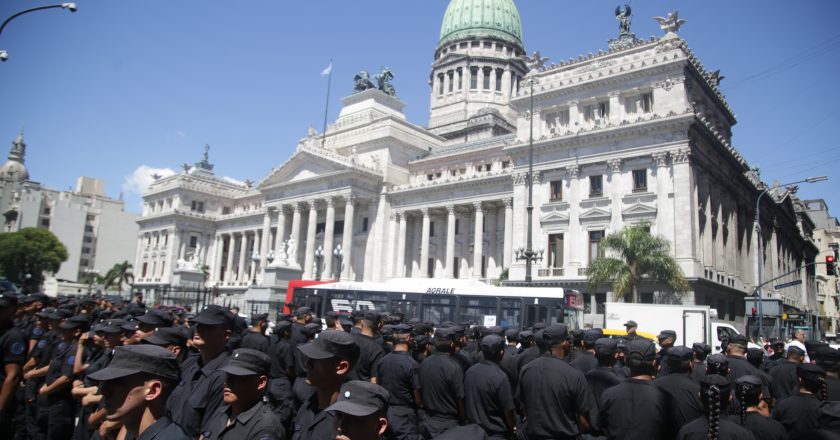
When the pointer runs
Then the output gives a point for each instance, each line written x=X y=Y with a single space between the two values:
x=282 y=373
x=682 y=392
x=666 y=340
x=630 y=327
x=56 y=391
x=170 y=338
x=13 y=348
x=255 y=336
x=635 y=408
x=442 y=385
x=785 y=383
x=151 y=320
x=715 y=392
x=701 y=352
x=303 y=316
x=586 y=361
x=777 y=348
x=488 y=398
x=200 y=392
x=603 y=376
x=749 y=414
x=799 y=413
x=829 y=359
x=555 y=396
x=360 y=411
x=399 y=374
x=371 y=352
x=329 y=361
x=135 y=387
x=244 y=415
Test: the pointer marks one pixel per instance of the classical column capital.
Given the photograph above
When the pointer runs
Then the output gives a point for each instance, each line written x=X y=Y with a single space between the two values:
x=450 y=209
x=614 y=165
x=573 y=171
x=350 y=199
x=660 y=158
x=296 y=207
x=424 y=211
x=477 y=206
x=508 y=203
x=329 y=201
x=681 y=155
x=312 y=204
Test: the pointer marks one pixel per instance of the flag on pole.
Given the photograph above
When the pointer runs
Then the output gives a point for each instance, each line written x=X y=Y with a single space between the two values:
x=328 y=70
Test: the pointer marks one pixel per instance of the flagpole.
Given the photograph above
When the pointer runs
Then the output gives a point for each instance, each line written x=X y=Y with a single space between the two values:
x=326 y=106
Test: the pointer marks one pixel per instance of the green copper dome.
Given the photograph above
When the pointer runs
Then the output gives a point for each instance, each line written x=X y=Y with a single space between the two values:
x=481 y=18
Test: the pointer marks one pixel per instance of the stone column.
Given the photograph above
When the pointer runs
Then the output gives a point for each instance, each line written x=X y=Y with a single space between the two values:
x=280 y=235
x=243 y=257
x=401 y=235
x=390 y=240
x=478 y=245
x=173 y=253
x=229 y=267
x=664 y=224
x=492 y=240
x=424 y=245
x=449 y=264
x=218 y=248
x=507 y=258
x=182 y=249
x=614 y=169
x=295 y=235
x=266 y=231
x=309 y=257
x=347 y=238
x=329 y=231
x=684 y=210
x=577 y=236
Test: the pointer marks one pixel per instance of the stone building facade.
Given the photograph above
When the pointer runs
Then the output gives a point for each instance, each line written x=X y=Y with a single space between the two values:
x=638 y=133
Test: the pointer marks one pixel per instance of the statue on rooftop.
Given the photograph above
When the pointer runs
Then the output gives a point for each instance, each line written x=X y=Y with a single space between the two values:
x=362 y=82
x=624 y=15
x=672 y=23
x=383 y=78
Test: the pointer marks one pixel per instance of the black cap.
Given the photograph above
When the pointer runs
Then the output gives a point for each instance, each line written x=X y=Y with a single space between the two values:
x=45 y=312
x=592 y=335
x=526 y=335
x=826 y=355
x=360 y=398
x=776 y=341
x=156 y=317
x=80 y=322
x=717 y=364
x=556 y=334
x=809 y=371
x=795 y=350
x=738 y=339
x=605 y=347
x=667 y=334
x=282 y=326
x=258 y=317
x=34 y=297
x=494 y=330
x=643 y=348
x=141 y=358
x=167 y=336
x=447 y=333
x=129 y=326
x=332 y=343
x=680 y=354
x=247 y=362
x=631 y=323
x=748 y=381
x=303 y=311
x=371 y=315
x=112 y=326
x=215 y=315
x=701 y=348
x=312 y=329
x=8 y=299
x=512 y=335
x=401 y=329
x=492 y=343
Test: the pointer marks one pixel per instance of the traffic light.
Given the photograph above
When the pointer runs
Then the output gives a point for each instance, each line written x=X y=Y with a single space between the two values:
x=754 y=311
x=830 y=266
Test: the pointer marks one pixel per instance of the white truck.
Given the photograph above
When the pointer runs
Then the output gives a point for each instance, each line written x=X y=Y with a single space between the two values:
x=692 y=323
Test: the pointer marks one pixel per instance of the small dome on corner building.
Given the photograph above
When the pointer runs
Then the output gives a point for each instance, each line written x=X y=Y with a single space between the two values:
x=466 y=19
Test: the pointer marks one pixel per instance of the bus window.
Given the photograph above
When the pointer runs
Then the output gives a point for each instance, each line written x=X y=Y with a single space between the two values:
x=511 y=315
x=438 y=308
x=299 y=298
x=535 y=314
x=315 y=303
x=408 y=309
x=372 y=301
x=340 y=301
x=474 y=310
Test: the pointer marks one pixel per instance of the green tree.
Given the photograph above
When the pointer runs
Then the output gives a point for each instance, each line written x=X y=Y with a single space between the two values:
x=118 y=275
x=639 y=258
x=32 y=252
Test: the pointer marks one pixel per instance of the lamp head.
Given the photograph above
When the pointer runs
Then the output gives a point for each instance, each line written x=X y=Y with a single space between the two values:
x=4 y=55
x=809 y=180
x=69 y=6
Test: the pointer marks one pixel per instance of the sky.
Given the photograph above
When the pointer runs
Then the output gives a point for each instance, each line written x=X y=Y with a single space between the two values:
x=123 y=89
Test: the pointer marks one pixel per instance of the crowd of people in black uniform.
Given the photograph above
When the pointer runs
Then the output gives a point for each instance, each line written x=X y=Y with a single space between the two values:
x=89 y=369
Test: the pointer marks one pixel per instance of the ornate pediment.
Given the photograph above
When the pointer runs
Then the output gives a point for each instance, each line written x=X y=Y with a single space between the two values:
x=639 y=211
x=595 y=214
x=306 y=164
x=555 y=218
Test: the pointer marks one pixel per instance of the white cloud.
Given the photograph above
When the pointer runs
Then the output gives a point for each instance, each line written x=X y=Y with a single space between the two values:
x=139 y=180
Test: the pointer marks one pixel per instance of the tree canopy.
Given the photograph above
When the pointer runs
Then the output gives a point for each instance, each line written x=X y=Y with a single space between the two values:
x=30 y=251
x=635 y=257
x=118 y=275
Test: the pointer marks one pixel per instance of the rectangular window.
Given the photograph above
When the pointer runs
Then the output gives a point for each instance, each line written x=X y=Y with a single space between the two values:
x=511 y=312
x=556 y=190
x=197 y=206
x=88 y=228
x=457 y=226
x=485 y=84
x=555 y=250
x=499 y=73
x=85 y=250
x=430 y=269
x=473 y=78
x=226 y=210
x=320 y=228
x=456 y=267
x=474 y=309
x=431 y=229
x=83 y=262
x=639 y=104
x=47 y=212
x=440 y=84
x=505 y=164
x=364 y=224
x=145 y=268
x=646 y=102
x=193 y=242
x=438 y=308
x=639 y=180
x=88 y=239
x=596 y=188
x=45 y=223
x=460 y=79
x=487 y=167
x=596 y=112
x=430 y=177
x=595 y=244
x=451 y=76
x=453 y=173
x=554 y=121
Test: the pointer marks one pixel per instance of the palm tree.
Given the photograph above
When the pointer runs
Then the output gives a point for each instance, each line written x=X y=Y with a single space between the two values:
x=640 y=257
x=118 y=275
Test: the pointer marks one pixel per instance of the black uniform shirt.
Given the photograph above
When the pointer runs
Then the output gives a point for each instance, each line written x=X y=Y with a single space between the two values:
x=524 y=357
x=298 y=336
x=282 y=359
x=442 y=382
x=762 y=428
x=662 y=362
x=785 y=382
x=600 y=379
x=833 y=389
x=163 y=429
x=699 y=430
x=635 y=409
x=62 y=365
x=199 y=394
x=798 y=413
x=399 y=374
x=12 y=348
x=312 y=423
x=585 y=362
x=553 y=393
x=370 y=354
x=255 y=340
x=488 y=396
x=257 y=423
x=698 y=371
x=682 y=398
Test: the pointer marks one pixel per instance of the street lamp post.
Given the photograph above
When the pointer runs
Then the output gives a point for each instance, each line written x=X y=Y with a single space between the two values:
x=760 y=259
x=319 y=255
x=339 y=253
x=69 y=6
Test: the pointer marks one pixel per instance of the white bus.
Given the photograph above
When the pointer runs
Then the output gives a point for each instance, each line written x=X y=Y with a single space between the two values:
x=438 y=300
